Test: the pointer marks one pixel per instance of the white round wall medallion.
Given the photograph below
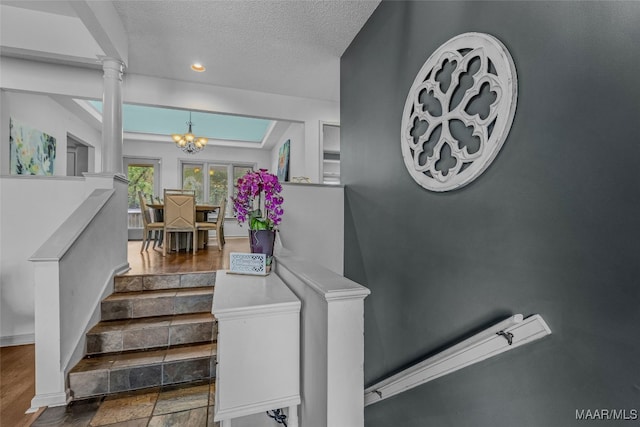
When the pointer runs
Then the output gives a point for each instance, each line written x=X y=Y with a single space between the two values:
x=459 y=111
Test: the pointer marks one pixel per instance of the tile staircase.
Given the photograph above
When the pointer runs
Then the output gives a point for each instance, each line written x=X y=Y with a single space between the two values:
x=155 y=330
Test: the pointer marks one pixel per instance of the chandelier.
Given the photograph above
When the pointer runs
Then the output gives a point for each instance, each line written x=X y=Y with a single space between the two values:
x=189 y=143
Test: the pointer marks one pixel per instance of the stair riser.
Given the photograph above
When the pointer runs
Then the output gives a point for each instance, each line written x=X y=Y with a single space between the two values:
x=105 y=381
x=163 y=306
x=155 y=282
x=147 y=338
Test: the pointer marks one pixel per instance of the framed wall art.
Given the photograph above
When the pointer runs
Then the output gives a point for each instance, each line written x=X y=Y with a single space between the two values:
x=32 y=152
x=283 y=161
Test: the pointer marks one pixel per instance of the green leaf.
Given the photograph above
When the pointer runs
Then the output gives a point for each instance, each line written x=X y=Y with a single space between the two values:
x=256 y=224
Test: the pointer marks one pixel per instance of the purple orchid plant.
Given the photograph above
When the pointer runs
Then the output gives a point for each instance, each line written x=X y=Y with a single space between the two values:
x=258 y=200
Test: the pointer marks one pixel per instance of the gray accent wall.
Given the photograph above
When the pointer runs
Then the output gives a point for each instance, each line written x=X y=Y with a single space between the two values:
x=552 y=227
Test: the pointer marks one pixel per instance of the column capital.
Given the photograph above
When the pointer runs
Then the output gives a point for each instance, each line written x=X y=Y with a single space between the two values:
x=112 y=67
x=109 y=62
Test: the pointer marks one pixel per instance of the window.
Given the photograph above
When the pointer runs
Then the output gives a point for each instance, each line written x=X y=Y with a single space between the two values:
x=192 y=179
x=213 y=181
x=239 y=172
x=218 y=183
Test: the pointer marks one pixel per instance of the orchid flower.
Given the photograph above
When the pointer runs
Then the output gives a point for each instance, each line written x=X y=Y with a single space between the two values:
x=258 y=200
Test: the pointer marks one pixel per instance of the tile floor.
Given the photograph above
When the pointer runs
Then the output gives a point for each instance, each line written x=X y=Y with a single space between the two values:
x=189 y=405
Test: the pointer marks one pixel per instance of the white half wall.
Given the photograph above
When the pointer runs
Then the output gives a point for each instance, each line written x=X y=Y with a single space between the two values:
x=332 y=341
x=313 y=223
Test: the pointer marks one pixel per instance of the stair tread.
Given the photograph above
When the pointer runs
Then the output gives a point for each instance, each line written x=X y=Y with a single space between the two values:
x=144 y=358
x=191 y=273
x=159 y=293
x=150 y=322
x=210 y=273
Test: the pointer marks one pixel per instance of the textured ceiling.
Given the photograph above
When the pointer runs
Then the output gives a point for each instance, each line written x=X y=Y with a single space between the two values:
x=286 y=47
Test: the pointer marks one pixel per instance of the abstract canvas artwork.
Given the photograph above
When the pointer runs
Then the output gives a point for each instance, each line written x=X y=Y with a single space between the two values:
x=283 y=161
x=33 y=152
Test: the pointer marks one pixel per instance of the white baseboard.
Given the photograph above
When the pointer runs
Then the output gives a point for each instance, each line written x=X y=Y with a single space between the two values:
x=12 y=340
x=49 y=399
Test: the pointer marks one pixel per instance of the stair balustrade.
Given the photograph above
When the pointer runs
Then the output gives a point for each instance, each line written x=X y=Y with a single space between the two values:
x=73 y=271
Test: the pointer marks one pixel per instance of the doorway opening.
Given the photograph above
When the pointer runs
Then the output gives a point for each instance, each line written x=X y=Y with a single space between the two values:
x=144 y=176
x=330 y=152
x=77 y=156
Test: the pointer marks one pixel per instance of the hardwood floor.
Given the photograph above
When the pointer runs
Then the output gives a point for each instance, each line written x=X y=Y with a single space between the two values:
x=209 y=259
x=17 y=385
x=17 y=363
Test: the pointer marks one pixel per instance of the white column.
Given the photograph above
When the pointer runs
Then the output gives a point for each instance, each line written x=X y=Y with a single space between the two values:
x=112 y=116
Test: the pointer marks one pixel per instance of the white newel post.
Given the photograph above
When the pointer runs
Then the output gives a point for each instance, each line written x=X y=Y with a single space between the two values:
x=112 y=116
x=50 y=383
x=332 y=342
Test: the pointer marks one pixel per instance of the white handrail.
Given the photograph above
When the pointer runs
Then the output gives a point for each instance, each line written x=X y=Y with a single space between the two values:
x=506 y=335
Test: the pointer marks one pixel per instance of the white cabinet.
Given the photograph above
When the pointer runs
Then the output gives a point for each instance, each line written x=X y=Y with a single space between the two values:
x=258 y=347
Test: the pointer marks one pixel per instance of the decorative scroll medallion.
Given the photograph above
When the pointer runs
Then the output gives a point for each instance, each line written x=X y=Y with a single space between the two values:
x=459 y=111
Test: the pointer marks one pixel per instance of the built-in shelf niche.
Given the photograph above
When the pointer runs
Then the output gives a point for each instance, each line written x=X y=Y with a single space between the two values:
x=330 y=153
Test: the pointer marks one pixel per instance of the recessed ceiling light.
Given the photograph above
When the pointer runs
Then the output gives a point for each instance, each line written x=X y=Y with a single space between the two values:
x=197 y=67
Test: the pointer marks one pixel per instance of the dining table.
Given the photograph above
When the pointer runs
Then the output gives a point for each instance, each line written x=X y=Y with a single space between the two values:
x=203 y=209
x=202 y=212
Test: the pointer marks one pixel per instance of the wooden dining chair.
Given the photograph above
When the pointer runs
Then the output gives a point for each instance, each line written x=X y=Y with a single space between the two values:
x=179 y=216
x=218 y=226
x=157 y=215
x=151 y=228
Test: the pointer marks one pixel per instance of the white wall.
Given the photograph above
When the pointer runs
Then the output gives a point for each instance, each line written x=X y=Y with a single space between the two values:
x=22 y=80
x=33 y=207
x=24 y=75
x=42 y=113
x=171 y=93
x=170 y=157
x=297 y=162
